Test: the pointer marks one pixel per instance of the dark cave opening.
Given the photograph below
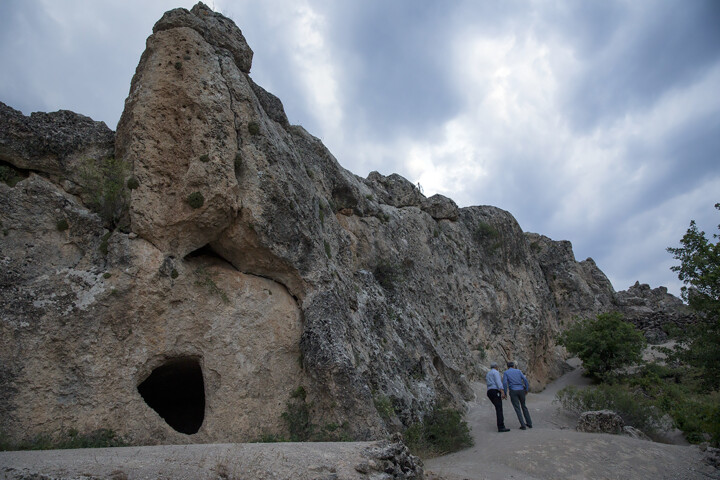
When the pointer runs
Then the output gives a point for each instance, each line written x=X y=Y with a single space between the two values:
x=176 y=391
x=205 y=251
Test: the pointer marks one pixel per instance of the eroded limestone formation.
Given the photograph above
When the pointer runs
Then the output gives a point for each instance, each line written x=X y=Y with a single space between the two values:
x=247 y=254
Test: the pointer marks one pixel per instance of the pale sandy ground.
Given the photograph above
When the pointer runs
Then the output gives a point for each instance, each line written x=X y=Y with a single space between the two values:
x=551 y=450
x=554 y=450
x=240 y=461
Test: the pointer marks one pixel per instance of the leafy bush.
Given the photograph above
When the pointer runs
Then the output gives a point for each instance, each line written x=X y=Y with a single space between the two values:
x=698 y=417
x=62 y=225
x=204 y=158
x=132 y=183
x=644 y=397
x=103 y=182
x=635 y=410
x=103 y=247
x=384 y=406
x=484 y=230
x=297 y=416
x=9 y=176
x=388 y=274
x=604 y=344
x=195 y=200
x=253 y=128
x=442 y=431
x=682 y=394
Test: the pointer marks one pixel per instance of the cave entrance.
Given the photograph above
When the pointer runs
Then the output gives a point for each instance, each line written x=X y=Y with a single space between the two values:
x=176 y=391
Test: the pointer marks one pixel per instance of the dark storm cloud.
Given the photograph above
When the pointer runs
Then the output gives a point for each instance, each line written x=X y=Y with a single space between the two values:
x=693 y=153
x=396 y=65
x=638 y=55
x=677 y=162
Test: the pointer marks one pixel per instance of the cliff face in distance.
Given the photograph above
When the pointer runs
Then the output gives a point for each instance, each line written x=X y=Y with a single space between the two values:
x=249 y=263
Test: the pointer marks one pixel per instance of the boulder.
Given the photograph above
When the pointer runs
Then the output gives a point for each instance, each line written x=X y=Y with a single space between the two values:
x=440 y=208
x=600 y=421
x=634 y=433
x=53 y=144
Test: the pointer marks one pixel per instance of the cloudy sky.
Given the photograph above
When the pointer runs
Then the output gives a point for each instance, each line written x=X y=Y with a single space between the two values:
x=596 y=122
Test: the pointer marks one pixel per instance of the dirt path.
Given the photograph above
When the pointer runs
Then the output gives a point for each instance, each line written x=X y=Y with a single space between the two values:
x=236 y=461
x=554 y=450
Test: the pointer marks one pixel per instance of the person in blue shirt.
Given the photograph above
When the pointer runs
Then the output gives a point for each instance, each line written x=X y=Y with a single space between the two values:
x=496 y=395
x=514 y=380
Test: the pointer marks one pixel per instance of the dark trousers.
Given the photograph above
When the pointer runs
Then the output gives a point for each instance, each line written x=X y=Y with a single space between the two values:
x=496 y=398
x=517 y=398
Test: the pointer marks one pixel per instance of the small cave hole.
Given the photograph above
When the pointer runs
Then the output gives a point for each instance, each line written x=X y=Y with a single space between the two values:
x=437 y=363
x=204 y=251
x=176 y=391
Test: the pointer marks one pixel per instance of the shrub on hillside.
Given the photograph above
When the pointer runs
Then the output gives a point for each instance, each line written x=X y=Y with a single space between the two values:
x=104 y=184
x=440 y=432
x=634 y=409
x=195 y=200
x=9 y=176
x=604 y=344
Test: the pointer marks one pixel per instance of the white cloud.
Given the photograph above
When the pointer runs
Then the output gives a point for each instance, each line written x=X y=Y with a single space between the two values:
x=639 y=242
x=312 y=60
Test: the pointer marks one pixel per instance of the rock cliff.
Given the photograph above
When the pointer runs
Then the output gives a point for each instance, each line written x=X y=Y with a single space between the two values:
x=237 y=261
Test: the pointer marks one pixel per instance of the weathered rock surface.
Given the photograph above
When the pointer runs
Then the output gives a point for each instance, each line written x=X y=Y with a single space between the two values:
x=291 y=272
x=654 y=311
x=607 y=421
x=582 y=290
x=633 y=432
x=53 y=143
x=600 y=421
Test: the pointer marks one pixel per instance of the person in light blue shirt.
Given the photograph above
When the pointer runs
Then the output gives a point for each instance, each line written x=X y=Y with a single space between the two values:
x=515 y=381
x=496 y=395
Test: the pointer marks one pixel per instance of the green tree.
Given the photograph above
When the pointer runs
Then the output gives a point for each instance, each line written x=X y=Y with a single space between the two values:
x=604 y=344
x=699 y=270
x=104 y=184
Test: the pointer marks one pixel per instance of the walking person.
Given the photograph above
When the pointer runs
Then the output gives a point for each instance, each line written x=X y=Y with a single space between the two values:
x=514 y=380
x=496 y=395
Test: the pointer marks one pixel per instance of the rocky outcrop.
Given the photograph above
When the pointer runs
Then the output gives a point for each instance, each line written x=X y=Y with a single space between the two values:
x=252 y=264
x=600 y=421
x=581 y=290
x=654 y=311
x=607 y=421
x=390 y=460
x=55 y=144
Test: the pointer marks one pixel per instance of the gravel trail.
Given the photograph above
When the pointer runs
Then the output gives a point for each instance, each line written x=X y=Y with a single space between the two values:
x=554 y=450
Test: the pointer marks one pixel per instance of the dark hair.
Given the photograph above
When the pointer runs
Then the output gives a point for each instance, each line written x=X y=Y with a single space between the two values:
x=510 y=364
